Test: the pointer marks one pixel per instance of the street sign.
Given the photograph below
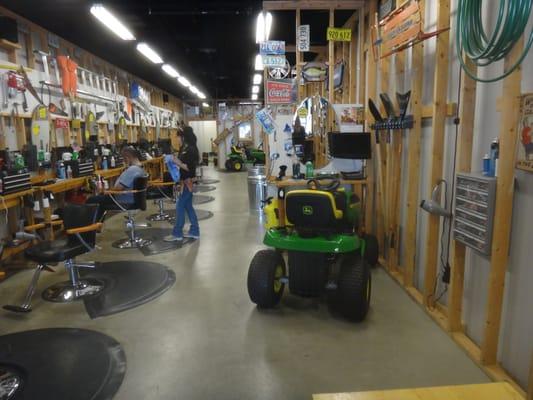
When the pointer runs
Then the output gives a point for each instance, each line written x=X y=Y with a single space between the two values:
x=303 y=35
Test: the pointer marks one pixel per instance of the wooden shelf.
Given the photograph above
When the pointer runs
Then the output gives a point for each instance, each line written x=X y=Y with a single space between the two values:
x=7 y=45
x=13 y=199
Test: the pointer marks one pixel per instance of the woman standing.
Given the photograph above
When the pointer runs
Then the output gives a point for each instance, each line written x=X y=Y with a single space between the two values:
x=187 y=160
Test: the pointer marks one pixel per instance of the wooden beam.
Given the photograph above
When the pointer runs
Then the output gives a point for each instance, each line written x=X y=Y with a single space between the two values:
x=504 y=206
x=331 y=59
x=299 y=60
x=464 y=162
x=413 y=160
x=288 y=5
x=396 y=173
x=437 y=153
x=351 y=64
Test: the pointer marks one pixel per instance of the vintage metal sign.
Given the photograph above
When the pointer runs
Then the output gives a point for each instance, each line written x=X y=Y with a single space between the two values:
x=280 y=92
x=339 y=34
x=274 y=61
x=402 y=29
x=303 y=37
x=524 y=155
x=61 y=123
x=272 y=47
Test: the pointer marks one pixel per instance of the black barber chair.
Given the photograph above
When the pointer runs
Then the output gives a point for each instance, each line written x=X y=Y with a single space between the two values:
x=140 y=185
x=81 y=227
x=158 y=191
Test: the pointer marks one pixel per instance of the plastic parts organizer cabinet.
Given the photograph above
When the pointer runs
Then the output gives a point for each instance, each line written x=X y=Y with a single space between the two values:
x=474 y=211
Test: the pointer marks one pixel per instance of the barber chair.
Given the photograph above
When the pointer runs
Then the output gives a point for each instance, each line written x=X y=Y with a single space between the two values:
x=158 y=191
x=81 y=227
x=140 y=185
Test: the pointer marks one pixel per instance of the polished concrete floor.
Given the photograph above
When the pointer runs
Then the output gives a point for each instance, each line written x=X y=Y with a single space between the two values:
x=204 y=339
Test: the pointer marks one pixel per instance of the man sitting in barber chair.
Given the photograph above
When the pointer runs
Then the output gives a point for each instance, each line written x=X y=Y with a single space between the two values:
x=124 y=183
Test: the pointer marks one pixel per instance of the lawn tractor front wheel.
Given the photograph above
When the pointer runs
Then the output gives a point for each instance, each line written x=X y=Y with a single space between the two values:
x=371 y=250
x=265 y=286
x=353 y=287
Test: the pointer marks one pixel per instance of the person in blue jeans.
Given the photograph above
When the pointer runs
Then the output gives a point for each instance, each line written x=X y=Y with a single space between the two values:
x=187 y=160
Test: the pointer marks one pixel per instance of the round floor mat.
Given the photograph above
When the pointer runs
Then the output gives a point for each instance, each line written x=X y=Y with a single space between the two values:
x=128 y=284
x=207 y=181
x=201 y=214
x=196 y=199
x=63 y=363
x=203 y=188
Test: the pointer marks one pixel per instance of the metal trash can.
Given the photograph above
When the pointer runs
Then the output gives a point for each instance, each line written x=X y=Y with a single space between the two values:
x=257 y=187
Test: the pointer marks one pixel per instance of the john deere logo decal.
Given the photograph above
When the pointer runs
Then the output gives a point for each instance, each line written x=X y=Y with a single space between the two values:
x=307 y=210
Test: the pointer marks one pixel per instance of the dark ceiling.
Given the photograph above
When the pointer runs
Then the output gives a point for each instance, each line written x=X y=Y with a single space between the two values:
x=211 y=42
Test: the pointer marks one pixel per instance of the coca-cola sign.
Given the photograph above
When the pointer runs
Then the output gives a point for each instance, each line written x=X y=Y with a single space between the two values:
x=280 y=92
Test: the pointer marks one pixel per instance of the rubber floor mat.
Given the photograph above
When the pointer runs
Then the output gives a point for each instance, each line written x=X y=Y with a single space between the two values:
x=158 y=245
x=207 y=181
x=201 y=214
x=196 y=199
x=203 y=188
x=63 y=363
x=128 y=284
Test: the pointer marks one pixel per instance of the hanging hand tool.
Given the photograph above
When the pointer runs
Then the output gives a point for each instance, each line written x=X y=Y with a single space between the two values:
x=391 y=113
x=403 y=102
x=27 y=84
x=377 y=116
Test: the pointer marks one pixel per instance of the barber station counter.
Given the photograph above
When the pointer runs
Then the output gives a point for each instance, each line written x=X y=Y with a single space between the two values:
x=10 y=202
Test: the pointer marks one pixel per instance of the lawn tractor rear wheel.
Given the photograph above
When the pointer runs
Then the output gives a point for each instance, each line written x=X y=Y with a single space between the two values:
x=371 y=250
x=354 y=287
x=264 y=278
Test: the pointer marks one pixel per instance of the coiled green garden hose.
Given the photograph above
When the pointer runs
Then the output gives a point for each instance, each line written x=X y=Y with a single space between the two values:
x=483 y=49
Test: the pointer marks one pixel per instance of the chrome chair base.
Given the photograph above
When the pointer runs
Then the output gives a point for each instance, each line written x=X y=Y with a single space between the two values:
x=66 y=292
x=136 y=243
x=9 y=384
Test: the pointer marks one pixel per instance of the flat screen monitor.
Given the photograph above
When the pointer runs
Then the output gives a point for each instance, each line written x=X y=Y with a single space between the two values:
x=350 y=145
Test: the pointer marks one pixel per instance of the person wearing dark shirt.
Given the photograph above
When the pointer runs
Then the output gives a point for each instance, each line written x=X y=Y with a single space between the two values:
x=187 y=160
x=124 y=182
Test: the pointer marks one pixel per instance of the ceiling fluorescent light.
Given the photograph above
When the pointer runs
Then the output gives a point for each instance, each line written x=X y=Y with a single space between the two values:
x=205 y=105
x=258 y=62
x=149 y=53
x=184 y=81
x=111 y=22
x=257 y=79
x=201 y=95
x=169 y=69
x=263 y=26
x=193 y=89
x=254 y=96
x=255 y=89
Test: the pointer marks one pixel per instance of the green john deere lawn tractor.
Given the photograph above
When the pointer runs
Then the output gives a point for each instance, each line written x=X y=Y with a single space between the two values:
x=327 y=253
x=239 y=157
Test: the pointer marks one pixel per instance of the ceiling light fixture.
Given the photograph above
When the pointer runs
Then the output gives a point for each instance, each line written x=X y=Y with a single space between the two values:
x=254 y=96
x=170 y=71
x=194 y=90
x=149 y=53
x=184 y=81
x=205 y=105
x=201 y=95
x=257 y=79
x=111 y=22
x=255 y=89
x=263 y=26
x=258 y=62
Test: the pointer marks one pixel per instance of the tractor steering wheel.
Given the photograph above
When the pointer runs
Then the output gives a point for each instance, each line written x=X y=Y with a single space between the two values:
x=316 y=185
